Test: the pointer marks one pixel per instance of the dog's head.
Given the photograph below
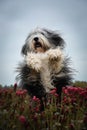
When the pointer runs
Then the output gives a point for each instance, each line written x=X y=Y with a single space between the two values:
x=40 y=40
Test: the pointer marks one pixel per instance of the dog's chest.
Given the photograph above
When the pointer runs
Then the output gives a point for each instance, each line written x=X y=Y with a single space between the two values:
x=53 y=65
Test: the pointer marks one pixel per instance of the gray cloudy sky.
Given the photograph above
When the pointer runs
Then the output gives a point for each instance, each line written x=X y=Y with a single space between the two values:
x=19 y=17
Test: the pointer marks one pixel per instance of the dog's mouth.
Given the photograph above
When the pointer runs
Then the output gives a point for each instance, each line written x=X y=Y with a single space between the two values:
x=38 y=45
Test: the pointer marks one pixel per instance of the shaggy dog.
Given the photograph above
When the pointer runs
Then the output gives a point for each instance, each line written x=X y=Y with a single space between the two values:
x=44 y=66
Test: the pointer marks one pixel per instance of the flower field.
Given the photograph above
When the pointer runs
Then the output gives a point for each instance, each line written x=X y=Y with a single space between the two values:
x=19 y=111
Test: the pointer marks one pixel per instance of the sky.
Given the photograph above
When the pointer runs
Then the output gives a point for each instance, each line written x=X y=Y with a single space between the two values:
x=19 y=17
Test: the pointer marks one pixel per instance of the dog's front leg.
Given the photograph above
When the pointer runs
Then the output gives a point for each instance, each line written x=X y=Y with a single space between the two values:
x=56 y=59
x=46 y=79
x=33 y=61
x=45 y=74
x=55 y=54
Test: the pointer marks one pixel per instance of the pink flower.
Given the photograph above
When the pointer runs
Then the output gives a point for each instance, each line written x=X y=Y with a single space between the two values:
x=22 y=108
x=53 y=91
x=65 y=91
x=24 y=91
x=21 y=92
x=35 y=117
x=71 y=126
x=35 y=98
x=22 y=119
x=36 y=109
x=56 y=95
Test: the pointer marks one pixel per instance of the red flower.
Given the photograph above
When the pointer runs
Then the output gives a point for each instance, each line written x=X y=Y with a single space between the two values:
x=35 y=98
x=71 y=126
x=56 y=95
x=21 y=92
x=22 y=108
x=65 y=91
x=22 y=119
x=24 y=91
x=53 y=91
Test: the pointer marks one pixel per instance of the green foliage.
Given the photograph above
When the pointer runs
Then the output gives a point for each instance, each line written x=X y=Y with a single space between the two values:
x=80 y=84
x=18 y=111
x=1 y=86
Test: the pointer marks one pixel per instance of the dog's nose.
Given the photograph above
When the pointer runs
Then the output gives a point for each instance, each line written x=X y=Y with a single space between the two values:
x=36 y=39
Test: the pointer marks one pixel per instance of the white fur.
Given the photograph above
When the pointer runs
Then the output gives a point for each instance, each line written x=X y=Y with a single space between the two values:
x=33 y=61
x=43 y=40
x=46 y=63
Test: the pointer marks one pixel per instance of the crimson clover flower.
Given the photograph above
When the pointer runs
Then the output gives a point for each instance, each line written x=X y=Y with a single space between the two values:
x=36 y=99
x=65 y=90
x=22 y=119
x=53 y=91
x=21 y=92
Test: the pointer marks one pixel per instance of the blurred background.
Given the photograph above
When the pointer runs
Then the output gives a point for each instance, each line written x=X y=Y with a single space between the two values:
x=19 y=17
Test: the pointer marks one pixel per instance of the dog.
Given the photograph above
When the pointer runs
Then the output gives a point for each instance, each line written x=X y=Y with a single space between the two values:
x=44 y=66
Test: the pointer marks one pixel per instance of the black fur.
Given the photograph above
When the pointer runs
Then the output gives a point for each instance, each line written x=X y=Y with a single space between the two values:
x=53 y=37
x=34 y=87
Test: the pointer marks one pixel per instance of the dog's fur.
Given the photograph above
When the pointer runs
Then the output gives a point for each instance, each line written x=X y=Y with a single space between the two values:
x=45 y=66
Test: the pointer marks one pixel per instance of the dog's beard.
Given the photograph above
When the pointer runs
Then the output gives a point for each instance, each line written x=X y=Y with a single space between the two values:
x=38 y=47
x=39 y=43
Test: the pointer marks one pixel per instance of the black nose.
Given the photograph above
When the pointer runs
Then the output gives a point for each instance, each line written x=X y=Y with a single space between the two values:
x=36 y=39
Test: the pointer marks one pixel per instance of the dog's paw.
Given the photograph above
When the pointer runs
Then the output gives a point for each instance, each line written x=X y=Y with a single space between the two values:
x=54 y=54
x=33 y=61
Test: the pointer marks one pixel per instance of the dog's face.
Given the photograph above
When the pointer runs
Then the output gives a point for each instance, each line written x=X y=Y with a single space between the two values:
x=40 y=40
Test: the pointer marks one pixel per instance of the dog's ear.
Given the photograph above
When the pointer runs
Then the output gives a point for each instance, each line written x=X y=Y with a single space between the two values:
x=24 y=49
x=57 y=40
